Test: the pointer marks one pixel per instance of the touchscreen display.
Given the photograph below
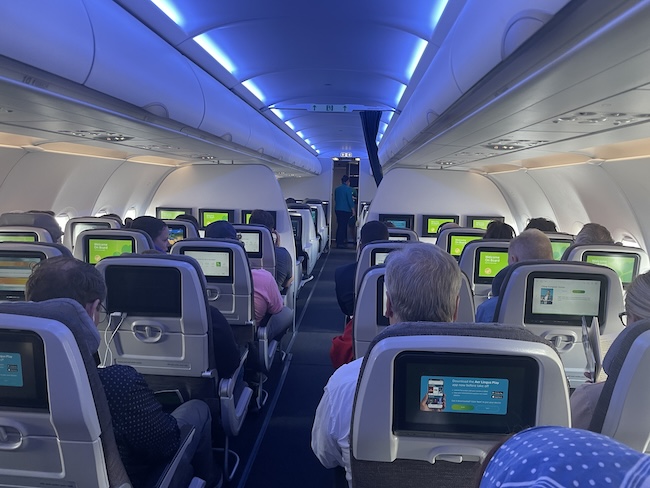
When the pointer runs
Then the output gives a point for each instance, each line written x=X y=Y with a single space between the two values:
x=431 y=223
x=488 y=264
x=625 y=265
x=251 y=241
x=22 y=370
x=14 y=272
x=99 y=249
x=457 y=243
x=213 y=263
x=378 y=257
x=558 y=248
x=18 y=237
x=175 y=233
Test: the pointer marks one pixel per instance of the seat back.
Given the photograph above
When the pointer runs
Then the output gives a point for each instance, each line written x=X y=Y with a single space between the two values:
x=53 y=411
x=92 y=246
x=259 y=246
x=628 y=262
x=29 y=227
x=481 y=260
x=229 y=282
x=550 y=298
x=454 y=240
x=621 y=411
x=306 y=237
x=370 y=308
x=401 y=234
x=322 y=230
x=373 y=254
x=77 y=225
x=181 y=229
x=158 y=315
x=16 y=262
x=421 y=386
x=560 y=242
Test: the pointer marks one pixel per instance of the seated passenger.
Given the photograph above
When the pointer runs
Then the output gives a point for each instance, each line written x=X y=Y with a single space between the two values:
x=422 y=284
x=593 y=234
x=268 y=300
x=157 y=230
x=637 y=308
x=447 y=225
x=499 y=230
x=540 y=223
x=529 y=245
x=562 y=457
x=283 y=261
x=189 y=218
x=145 y=435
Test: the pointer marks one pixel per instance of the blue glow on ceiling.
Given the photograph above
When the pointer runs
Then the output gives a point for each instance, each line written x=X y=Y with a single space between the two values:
x=215 y=51
x=420 y=46
x=278 y=113
x=290 y=125
x=170 y=10
x=300 y=134
x=308 y=141
x=400 y=93
x=252 y=87
x=437 y=12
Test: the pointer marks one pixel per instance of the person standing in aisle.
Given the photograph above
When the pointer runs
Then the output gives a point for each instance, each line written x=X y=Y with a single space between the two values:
x=344 y=207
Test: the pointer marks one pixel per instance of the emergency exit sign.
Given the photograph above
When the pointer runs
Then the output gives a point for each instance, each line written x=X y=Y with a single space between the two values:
x=333 y=108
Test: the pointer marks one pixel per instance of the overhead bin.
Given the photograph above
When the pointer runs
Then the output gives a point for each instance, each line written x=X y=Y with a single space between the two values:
x=482 y=37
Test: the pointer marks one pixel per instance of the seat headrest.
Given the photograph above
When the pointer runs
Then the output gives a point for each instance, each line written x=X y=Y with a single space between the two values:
x=33 y=219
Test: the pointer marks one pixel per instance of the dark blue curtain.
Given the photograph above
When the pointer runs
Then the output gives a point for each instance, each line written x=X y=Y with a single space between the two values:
x=370 y=123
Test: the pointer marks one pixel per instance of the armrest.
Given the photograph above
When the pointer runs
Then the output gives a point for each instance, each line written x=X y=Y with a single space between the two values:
x=187 y=434
x=234 y=404
x=227 y=385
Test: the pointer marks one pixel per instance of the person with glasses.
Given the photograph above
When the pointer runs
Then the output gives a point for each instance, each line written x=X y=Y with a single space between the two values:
x=637 y=308
x=146 y=436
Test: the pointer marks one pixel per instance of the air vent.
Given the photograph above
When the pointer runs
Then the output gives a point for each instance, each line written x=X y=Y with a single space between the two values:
x=604 y=118
x=98 y=135
x=513 y=145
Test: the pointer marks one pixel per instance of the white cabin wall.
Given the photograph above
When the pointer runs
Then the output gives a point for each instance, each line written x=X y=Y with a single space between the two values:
x=418 y=192
x=319 y=186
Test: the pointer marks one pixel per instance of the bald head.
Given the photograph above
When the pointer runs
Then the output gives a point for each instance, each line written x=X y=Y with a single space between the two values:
x=530 y=244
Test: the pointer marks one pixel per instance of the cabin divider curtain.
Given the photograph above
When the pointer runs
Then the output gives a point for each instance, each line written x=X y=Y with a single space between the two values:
x=370 y=123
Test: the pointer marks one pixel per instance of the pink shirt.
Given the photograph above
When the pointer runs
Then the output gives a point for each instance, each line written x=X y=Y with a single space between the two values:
x=266 y=294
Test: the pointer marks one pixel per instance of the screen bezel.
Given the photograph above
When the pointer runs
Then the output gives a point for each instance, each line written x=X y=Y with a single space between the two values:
x=382 y=320
x=425 y=218
x=203 y=211
x=181 y=210
x=214 y=279
x=637 y=261
x=377 y=250
x=88 y=237
x=484 y=280
x=35 y=371
x=18 y=295
x=258 y=233
x=557 y=319
x=95 y=226
x=296 y=218
x=409 y=218
x=470 y=219
x=523 y=391
x=33 y=235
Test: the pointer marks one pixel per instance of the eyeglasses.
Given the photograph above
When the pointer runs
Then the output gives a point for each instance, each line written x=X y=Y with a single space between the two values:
x=623 y=317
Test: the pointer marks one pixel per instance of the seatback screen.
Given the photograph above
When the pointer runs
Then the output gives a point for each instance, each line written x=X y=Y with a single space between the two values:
x=79 y=227
x=626 y=265
x=252 y=241
x=380 y=312
x=314 y=215
x=100 y=248
x=208 y=215
x=15 y=269
x=147 y=291
x=246 y=217
x=22 y=370
x=170 y=213
x=176 y=233
x=398 y=238
x=563 y=298
x=217 y=265
x=398 y=221
x=457 y=243
x=18 y=237
x=488 y=263
x=296 y=226
x=558 y=248
x=459 y=394
x=378 y=256
x=431 y=223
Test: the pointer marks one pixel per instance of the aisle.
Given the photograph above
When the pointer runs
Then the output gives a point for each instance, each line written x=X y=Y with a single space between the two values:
x=284 y=457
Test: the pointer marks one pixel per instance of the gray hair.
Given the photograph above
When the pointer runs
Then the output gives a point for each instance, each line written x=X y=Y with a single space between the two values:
x=423 y=283
x=531 y=244
x=637 y=298
x=593 y=234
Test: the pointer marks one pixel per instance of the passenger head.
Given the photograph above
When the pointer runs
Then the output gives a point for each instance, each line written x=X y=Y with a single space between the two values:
x=66 y=277
x=373 y=231
x=540 y=223
x=499 y=230
x=447 y=225
x=221 y=229
x=114 y=217
x=262 y=217
x=157 y=230
x=637 y=298
x=593 y=234
x=289 y=201
x=345 y=179
x=530 y=244
x=422 y=284
x=188 y=218
x=562 y=456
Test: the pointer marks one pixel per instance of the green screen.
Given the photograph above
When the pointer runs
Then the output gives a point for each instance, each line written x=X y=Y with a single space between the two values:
x=481 y=223
x=457 y=243
x=623 y=265
x=248 y=218
x=491 y=262
x=17 y=238
x=209 y=217
x=98 y=249
x=559 y=248
x=170 y=214
x=433 y=224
